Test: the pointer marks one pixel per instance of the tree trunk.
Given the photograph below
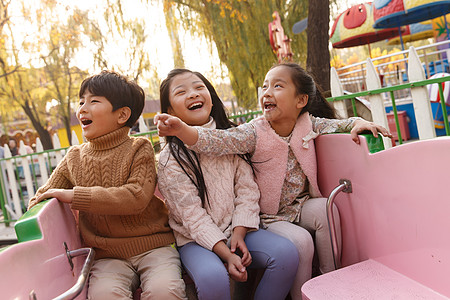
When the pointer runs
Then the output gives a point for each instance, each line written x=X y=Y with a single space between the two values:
x=318 y=54
x=43 y=133
x=68 y=128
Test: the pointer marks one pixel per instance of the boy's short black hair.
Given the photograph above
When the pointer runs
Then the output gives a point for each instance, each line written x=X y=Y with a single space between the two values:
x=119 y=90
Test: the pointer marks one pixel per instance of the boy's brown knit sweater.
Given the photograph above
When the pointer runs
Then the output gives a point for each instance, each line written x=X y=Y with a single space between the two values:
x=114 y=179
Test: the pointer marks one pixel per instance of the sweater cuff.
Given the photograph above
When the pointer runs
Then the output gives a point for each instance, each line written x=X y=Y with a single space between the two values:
x=209 y=239
x=248 y=220
x=81 y=198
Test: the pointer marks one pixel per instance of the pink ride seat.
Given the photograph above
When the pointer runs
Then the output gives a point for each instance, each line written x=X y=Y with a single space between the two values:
x=394 y=224
x=38 y=265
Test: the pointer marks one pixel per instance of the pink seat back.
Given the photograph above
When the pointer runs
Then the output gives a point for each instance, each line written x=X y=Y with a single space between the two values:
x=41 y=264
x=399 y=211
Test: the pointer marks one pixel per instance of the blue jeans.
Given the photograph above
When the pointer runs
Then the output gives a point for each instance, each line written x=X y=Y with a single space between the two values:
x=269 y=251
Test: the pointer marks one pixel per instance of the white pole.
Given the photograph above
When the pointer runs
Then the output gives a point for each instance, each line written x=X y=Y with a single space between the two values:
x=26 y=171
x=75 y=140
x=421 y=100
x=336 y=91
x=376 y=101
x=12 y=182
x=41 y=161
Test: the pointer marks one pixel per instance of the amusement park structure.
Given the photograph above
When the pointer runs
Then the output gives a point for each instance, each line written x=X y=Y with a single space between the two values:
x=281 y=44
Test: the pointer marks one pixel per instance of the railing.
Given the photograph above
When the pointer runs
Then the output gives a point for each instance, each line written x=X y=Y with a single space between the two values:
x=377 y=96
x=393 y=68
x=18 y=183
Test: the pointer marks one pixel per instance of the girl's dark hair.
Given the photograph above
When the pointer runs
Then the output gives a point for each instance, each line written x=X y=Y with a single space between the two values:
x=118 y=90
x=188 y=159
x=304 y=83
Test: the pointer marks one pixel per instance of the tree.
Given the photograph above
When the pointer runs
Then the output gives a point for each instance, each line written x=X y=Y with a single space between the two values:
x=318 y=58
x=50 y=50
x=239 y=30
x=119 y=28
x=20 y=87
x=172 y=27
x=4 y=19
x=63 y=42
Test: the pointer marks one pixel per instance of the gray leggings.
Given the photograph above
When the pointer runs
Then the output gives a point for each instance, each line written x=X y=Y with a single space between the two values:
x=313 y=220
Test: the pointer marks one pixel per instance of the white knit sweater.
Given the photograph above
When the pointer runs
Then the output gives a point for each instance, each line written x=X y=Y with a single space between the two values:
x=233 y=198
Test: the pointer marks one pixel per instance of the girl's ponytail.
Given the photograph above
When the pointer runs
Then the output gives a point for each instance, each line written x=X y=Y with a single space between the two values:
x=319 y=106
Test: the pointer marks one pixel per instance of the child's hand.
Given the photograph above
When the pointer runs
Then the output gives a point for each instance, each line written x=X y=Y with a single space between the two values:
x=235 y=268
x=361 y=125
x=238 y=246
x=62 y=195
x=172 y=126
x=168 y=125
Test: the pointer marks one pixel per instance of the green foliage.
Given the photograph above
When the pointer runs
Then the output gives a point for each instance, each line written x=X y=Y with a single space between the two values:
x=239 y=30
x=120 y=28
x=40 y=65
x=172 y=27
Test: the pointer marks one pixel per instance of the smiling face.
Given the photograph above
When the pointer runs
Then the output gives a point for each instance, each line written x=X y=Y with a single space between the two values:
x=189 y=99
x=96 y=115
x=279 y=100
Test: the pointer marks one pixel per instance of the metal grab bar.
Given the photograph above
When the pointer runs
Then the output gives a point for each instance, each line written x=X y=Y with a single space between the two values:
x=74 y=291
x=345 y=186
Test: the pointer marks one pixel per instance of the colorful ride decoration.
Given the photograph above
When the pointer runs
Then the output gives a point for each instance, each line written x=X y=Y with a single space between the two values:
x=415 y=32
x=281 y=44
x=354 y=27
x=396 y=13
x=433 y=91
x=441 y=28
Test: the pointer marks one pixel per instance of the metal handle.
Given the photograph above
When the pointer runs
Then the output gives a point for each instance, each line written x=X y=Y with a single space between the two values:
x=82 y=279
x=345 y=186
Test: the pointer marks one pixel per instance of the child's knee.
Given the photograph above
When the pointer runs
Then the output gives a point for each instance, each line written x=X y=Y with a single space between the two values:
x=212 y=282
x=305 y=245
x=290 y=251
x=165 y=289
x=102 y=291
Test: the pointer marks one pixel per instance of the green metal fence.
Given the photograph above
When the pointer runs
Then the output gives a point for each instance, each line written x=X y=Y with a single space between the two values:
x=391 y=90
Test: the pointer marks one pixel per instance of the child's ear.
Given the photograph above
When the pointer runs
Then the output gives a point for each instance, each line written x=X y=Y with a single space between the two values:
x=302 y=100
x=170 y=111
x=124 y=115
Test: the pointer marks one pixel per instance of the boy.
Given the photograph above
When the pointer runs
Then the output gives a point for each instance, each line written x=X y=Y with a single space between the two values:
x=111 y=180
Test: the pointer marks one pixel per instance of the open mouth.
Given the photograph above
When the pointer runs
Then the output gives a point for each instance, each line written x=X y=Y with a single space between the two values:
x=196 y=105
x=86 y=122
x=269 y=105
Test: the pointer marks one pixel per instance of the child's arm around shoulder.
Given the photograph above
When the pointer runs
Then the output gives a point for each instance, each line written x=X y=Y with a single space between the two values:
x=169 y=125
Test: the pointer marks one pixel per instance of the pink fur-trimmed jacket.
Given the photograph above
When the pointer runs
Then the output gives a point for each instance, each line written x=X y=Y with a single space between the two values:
x=271 y=155
x=270 y=152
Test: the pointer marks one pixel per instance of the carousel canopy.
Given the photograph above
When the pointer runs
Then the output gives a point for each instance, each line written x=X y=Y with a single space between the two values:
x=415 y=32
x=354 y=27
x=396 y=13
